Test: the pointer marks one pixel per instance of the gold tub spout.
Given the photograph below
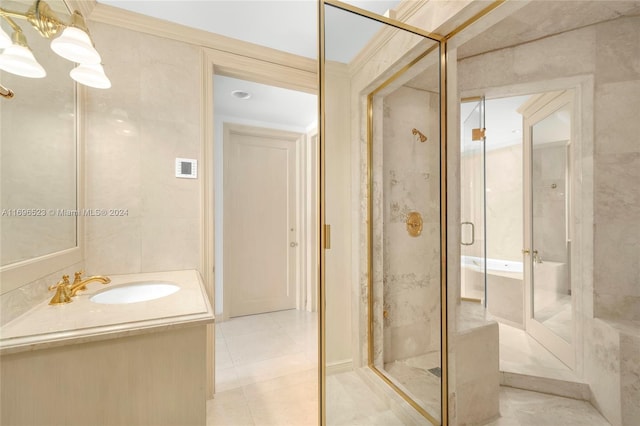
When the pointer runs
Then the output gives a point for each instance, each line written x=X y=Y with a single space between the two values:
x=80 y=284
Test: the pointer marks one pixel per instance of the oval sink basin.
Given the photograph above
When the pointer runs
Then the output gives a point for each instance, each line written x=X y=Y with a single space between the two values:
x=135 y=292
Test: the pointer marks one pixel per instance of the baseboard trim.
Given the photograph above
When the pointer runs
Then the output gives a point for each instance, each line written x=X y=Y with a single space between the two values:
x=565 y=388
x=339 y=367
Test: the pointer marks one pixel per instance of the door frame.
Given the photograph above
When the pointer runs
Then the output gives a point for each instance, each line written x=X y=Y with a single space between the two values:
x=298 y=139
x=533 y=111
x=581 y=182
x=256 y=64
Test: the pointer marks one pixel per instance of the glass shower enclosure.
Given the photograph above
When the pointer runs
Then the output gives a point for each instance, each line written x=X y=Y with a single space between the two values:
x=395 y=100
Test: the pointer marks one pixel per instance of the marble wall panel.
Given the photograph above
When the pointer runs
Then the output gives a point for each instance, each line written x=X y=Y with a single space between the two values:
x=616 y=117
x=19 y=301
x=618 y=53
x=602 y=369
x=504 y=203
x=135 y=131
x=630 y=376
x=408 y=180
x=617 y=191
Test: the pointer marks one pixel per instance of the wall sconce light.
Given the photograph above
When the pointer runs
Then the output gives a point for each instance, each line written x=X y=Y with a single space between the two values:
x=74 y=44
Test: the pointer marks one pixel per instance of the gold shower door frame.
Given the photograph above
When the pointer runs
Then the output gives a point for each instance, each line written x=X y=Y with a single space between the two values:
x=441 y=45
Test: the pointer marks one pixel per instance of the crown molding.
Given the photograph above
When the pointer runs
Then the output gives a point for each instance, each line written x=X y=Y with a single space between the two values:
x=406 y=9
x=83 y=6
x=134 y=21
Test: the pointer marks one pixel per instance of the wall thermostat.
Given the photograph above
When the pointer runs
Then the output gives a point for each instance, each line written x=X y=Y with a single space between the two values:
x=186 y=168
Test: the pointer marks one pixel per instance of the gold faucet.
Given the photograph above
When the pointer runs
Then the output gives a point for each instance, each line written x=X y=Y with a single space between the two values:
x=66 y=290
x=80 y=285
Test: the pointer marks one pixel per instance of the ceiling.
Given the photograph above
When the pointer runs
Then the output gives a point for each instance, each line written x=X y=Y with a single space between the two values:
x=268 y=104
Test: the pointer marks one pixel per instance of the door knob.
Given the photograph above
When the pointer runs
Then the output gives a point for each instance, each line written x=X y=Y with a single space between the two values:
x=292 y=244
x=525 y=251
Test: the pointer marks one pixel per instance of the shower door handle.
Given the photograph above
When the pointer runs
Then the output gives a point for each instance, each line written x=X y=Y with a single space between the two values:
x=473 y=234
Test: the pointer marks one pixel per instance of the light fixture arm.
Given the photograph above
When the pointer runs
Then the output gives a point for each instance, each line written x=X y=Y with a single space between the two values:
x=40 y=16
x=5 y=92
x=15 y=27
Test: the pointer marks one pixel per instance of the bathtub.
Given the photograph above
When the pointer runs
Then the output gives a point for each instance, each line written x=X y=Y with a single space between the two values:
x=505 y=285
x=493 y=265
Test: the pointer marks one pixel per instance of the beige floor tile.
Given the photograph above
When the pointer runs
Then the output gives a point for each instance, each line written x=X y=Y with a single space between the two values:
x=229 y=409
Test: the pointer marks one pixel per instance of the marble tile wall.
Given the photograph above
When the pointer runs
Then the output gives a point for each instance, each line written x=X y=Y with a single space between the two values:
x=18 y=301
x=504 y=203
x=134 y=132
x=364 y=78
x=409 y=178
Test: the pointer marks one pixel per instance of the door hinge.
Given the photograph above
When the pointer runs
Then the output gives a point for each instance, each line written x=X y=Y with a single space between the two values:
x=477 y=134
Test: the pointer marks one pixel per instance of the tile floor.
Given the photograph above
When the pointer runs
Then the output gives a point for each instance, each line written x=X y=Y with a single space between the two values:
x=520 y=353
x=266 y=375
x=352 y=402
x=524 y=408
x=413 y=376
x=266 y=370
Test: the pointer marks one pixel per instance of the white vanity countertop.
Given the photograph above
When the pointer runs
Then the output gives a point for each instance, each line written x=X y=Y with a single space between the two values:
x=82 y=320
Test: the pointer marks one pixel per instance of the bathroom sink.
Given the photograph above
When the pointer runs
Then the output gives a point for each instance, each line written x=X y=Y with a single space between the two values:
x=135 y=292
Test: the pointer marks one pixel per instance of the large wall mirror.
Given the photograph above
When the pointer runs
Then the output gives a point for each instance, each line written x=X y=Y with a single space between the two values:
x=394 y=109
x=39 y=162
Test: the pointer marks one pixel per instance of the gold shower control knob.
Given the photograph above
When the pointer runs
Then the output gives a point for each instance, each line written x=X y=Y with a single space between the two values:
x=414 y=224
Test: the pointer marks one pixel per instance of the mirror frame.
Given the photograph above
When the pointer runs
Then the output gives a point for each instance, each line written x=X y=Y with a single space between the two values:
x=15 y=275
x=441 y=44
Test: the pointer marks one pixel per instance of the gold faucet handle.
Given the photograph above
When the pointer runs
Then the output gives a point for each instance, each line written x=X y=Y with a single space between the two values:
x=78 y=277
x=64 y=282
x=62 y=294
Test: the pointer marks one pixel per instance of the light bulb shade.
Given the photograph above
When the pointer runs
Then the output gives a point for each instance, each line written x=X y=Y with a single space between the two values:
x=5 y=40
x=19 y=60
x=75 y=45
x=91 y=75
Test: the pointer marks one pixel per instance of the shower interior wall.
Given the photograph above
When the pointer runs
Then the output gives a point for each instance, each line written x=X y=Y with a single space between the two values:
x=409 y=265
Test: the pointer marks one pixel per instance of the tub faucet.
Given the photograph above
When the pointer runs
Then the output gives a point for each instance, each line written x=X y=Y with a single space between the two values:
x=79 y=284
x=536 y=257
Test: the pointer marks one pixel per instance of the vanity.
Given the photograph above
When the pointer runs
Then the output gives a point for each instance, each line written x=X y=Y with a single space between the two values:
x=104 y=360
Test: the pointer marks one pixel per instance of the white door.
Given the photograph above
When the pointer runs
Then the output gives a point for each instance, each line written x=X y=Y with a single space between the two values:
x=260 y=220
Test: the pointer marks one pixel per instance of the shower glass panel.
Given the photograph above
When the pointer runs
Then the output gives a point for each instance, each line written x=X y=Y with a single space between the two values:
x=406 y=234
x=381 y=83
x=473 y=270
